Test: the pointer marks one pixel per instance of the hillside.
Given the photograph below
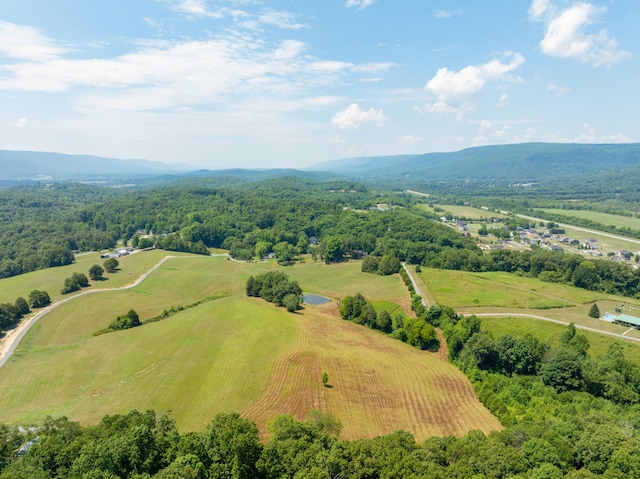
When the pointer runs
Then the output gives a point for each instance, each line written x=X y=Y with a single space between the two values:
x=43 y=165
x=518 y=163
x=233 y=354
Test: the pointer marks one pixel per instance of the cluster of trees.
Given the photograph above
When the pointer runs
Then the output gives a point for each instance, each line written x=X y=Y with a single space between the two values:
x=11 y=314
x=277 y=288
x=78 y=281
x=384 y=266
x=95 y=272
x=415 y=331
x=126 y=321
x=74 y=283
x=39 y=299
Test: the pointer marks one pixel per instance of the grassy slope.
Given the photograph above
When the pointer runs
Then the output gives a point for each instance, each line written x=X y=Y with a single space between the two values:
x=463 y=211
x=377 y=384
x=51 y=280
x=508 y=293
x=604 y=218
x=234 y=354
x=461 y=290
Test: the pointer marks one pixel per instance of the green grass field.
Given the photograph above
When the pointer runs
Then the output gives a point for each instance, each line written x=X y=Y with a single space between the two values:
x=51 y=280
x=340 y=280
x=463 y=211
x=184 y=363
x=459 y=289
x=604 y=218
x=233 y=354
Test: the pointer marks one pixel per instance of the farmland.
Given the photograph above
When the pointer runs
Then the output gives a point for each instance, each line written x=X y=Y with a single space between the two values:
x=603 y=218
x=502 y=293
x=234 y=354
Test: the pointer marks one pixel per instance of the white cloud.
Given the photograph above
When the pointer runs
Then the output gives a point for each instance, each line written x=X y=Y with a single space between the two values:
x=193 y=7
x=371 y=80
x=409 y=139
x=539 y=8
x=280 y=19
x=352 y=117
x=152 y=22
x=166 y=75
x=22 y=122
x=446 y=13
x=503 y=100
x=455 y=91
x=359 y=3
x=268 y=16
x=558 y=90
x=25 y=42
x=567 y=37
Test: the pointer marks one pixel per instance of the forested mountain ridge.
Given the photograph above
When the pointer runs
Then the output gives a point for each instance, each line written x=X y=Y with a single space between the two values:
x=32 y=164
x=517 y=163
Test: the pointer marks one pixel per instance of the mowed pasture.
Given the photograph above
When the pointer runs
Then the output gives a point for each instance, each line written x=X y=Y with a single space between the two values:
x=463 y=211
x=459 y=289
x=505 y=293
x=235 y=354
x=51 y=280
x=606 y=219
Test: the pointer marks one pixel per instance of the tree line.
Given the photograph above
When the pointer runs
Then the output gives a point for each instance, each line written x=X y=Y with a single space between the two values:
x=11 y=314
x=415 y=331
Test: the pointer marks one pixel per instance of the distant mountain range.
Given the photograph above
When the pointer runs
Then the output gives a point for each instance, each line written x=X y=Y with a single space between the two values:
x=27 y=165
x=517 y=163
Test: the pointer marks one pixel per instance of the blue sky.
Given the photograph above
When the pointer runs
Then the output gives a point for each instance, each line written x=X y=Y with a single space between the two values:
x=287 y=83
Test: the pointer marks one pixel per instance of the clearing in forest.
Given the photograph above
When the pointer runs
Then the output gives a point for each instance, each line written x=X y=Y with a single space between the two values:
x=235 y=354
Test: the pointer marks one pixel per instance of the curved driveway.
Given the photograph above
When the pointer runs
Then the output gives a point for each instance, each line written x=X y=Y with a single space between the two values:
x=14 y=336
x=523 y=315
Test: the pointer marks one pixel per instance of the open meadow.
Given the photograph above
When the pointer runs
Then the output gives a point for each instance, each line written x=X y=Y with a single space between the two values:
x=51 y=280
x=233 y=354
x=606 y=219
x=504 y=293
x=463 y=211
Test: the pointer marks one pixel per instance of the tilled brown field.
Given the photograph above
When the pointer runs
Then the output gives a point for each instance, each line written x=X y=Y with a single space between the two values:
x=377 y=384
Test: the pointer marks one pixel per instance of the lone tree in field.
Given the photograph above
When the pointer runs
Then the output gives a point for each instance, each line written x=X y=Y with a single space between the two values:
x=96 y=272
x=110 y=265
x=325 y=378
x=594 y=312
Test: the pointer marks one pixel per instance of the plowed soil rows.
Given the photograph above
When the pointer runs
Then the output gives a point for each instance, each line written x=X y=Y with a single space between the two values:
x=377 y=384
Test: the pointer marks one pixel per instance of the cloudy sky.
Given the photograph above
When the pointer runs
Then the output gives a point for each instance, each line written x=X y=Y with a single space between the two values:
x=286 y=83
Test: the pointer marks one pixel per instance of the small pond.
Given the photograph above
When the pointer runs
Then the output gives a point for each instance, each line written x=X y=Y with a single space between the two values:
x=314 y=299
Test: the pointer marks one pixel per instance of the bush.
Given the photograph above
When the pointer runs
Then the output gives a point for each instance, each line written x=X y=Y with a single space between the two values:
x=594 y=312
x=129 y=320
